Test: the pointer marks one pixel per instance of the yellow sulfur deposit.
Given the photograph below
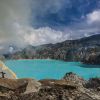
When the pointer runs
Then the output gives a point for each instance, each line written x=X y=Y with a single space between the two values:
x=8 y=73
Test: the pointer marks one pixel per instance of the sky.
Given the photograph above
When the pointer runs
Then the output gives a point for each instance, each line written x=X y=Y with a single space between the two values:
x=36 y=22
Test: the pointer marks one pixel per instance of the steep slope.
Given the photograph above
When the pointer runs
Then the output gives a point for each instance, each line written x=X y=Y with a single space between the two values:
x=69 y=50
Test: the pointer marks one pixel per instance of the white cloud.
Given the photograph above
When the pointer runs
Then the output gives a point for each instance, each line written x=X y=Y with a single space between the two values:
x=43 y=35
x=94 y=17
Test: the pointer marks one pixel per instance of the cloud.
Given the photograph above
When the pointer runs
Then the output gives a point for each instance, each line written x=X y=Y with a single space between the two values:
x=60 y=12
x=35 y=22
x=15 y=19
x=44 y=35
x=94 y=17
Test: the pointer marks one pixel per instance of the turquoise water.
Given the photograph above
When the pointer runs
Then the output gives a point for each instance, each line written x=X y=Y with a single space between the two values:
x=43 y=69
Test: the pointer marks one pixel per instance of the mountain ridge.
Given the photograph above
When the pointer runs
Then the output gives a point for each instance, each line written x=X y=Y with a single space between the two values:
x=70 y=50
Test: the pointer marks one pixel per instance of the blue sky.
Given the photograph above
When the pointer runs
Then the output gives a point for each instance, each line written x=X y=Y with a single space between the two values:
x=71 y=18
x=61 y=12
x=36 y=22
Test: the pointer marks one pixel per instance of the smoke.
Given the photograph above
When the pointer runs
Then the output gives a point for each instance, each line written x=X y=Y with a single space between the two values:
x=15 y=27
x=14 y=14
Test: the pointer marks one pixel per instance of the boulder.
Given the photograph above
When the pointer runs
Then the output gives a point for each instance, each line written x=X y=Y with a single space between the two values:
x=93 y=83
x=20 y=85
x=74 y=78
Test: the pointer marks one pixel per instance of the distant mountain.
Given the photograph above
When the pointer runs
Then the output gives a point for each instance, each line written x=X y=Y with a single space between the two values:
x=70 y=50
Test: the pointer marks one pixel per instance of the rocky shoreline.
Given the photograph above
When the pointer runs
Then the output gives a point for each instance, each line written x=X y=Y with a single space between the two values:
x=70 y=87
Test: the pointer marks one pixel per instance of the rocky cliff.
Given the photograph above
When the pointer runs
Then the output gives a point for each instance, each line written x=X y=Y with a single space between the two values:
x=92 y=58
x=86 y=50
x=71 y=87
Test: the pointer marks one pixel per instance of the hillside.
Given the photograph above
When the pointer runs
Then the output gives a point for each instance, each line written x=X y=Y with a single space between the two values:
x=85 y=49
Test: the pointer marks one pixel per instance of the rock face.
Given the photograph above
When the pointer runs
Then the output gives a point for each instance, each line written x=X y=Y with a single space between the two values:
x=71 y=87
x=92 y=59
x=69 y=50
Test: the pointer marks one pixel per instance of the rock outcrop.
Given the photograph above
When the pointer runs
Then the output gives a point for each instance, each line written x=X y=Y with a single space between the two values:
x=93 y=58
x=23 y=85
x=74 y=78
x=71 y=87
